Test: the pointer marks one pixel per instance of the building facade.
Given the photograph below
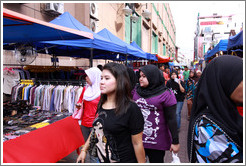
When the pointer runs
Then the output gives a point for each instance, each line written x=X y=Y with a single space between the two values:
x=155 y=34
x=211 y=29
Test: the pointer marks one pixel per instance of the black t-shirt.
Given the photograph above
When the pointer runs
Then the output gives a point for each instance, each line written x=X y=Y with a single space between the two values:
x=114 y=134
x=174 y=86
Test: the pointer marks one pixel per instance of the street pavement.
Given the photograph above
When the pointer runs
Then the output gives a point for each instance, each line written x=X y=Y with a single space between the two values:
x=183 y=155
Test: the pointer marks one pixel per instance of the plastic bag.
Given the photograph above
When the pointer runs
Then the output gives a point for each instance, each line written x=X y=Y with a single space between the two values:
x=175 y=158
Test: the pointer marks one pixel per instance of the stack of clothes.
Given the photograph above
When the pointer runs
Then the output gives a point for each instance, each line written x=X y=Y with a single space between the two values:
x=21 y=118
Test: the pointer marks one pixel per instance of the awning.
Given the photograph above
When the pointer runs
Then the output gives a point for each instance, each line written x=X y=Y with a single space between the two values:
x=148 y=55
x=221 y=46
x=21 y=28
x=162 y=59
x=134 y=53
x=236 y=41
x=103 y=47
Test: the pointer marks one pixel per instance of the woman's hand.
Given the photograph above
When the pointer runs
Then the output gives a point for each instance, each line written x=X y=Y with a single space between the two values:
x=174 y=148
x=81 y=157
x=78 y=105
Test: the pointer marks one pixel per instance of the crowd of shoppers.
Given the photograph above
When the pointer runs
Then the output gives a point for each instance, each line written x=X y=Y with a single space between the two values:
x=138 y=117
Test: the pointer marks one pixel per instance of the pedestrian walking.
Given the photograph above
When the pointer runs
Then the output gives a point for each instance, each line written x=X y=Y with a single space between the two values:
x=158 y=106
x=177 y=87
x=186 y=73
x=166 y=74
x=190 y=90
x=90 y=99
x=118 y=129
x=216 y=127
x=197 y=76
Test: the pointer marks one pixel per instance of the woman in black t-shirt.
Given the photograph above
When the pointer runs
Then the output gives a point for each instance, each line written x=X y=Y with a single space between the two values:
x=177 y=86
x=118 y=128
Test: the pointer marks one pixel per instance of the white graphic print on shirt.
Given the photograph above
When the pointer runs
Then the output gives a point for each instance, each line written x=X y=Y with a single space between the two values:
x=105 y=151
x=174 y=91
x=150 y=133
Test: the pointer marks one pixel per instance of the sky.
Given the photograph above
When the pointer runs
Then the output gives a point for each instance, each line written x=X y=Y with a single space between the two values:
x=185 y=18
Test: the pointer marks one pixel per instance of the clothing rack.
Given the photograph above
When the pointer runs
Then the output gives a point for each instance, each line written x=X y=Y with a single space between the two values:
x=61 y=82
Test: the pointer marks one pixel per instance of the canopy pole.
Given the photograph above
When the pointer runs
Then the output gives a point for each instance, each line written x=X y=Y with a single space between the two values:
x=91 y=58
x=126 y=59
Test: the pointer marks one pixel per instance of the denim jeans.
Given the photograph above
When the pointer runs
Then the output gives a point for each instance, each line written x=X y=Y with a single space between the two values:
x=178 y=113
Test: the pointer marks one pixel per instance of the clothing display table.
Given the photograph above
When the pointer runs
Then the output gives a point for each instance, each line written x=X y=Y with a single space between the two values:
x=48 y=144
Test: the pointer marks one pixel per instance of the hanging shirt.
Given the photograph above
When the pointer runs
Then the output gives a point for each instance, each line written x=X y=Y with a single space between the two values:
x=10 y=79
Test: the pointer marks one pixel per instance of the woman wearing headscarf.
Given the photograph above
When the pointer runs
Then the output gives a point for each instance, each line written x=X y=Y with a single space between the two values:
x=216 y=127
x=158 y=106
x=90 y=99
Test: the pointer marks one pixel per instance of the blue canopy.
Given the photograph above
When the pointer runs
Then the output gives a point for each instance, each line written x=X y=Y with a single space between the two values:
x=76 y=48
x=149 y=55
x=171 y=63
x=102 y=47
x=130 y=49
x=19 y=28
x=221 y=46
x=235 y=41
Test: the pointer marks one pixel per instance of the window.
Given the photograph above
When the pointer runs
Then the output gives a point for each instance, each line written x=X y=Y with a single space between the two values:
x=164 y=49
x=154 y=43
x=136 y=30
x=127 y=29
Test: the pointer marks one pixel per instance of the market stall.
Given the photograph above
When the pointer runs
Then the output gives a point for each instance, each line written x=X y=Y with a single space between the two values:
x=99 y=47
x=218 y=49
x=48 y=144
x=37 y=125
x=17 y=28
x=235 y=44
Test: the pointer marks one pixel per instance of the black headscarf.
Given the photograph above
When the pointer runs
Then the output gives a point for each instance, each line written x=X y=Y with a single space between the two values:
x=219 y=79
x=155 y=79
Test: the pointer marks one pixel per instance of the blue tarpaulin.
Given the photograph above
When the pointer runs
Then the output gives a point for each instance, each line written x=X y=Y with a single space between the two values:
x=171 y=63
x=19 y=28
x=221 y=46
x=236 y=41
x=102 y=47
x=149 y=55
x=130 y=49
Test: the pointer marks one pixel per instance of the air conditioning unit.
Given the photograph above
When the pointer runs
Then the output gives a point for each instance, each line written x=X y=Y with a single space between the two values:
x=54 y=8
x=93 y=25
x=94 y=10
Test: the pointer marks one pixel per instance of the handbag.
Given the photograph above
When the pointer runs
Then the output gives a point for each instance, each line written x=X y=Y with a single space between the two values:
x=77 y=114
